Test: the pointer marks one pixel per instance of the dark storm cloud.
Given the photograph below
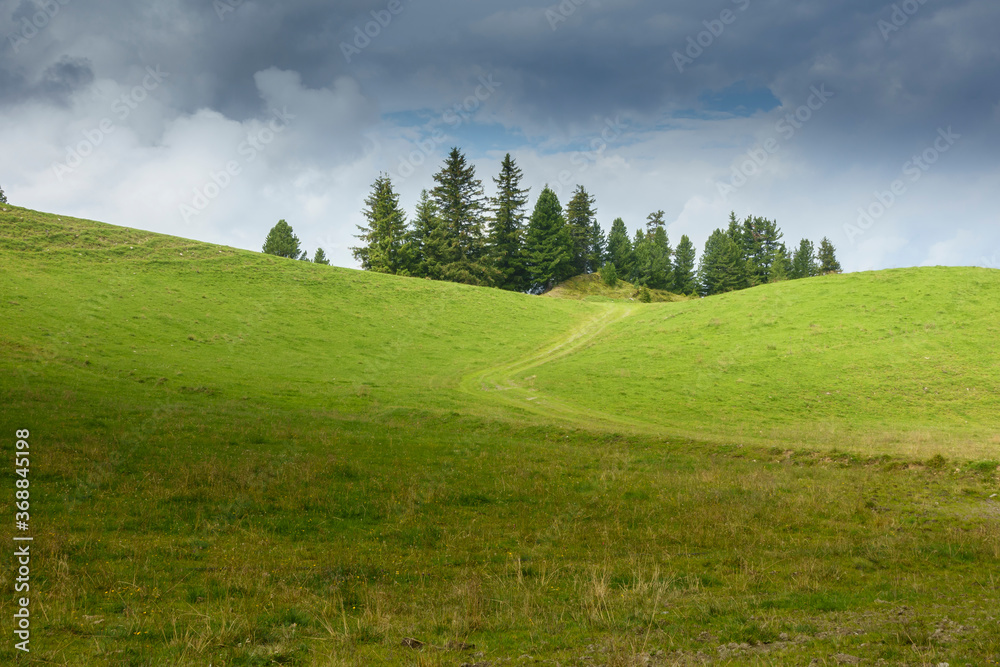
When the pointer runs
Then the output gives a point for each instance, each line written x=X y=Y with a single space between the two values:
x=57 y=84
x=696 y=86
x=564 y=65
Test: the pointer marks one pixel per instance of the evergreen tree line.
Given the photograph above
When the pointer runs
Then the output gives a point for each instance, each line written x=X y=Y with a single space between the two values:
x=460 y=235
x=751 y=253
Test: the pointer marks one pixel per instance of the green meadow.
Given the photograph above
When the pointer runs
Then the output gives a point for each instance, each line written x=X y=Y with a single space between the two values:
x=238 y=459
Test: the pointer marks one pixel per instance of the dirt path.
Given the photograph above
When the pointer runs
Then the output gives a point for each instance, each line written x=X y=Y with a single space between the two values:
x=510 y=384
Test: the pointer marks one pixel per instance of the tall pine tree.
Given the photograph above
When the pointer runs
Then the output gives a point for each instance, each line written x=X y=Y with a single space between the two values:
x=426 y=242
x=619 y=250
x=506 y=237
x=598 y=248
x=828 y=257
x=642 y=259
x=385 y=232
x=459 y=200
x=660 y=270
x=781 y=265
x=722 y=268
x=804 y=261
x=685 y=281
x=761 y=238
x=580 y=216
x=549 y=245
x=735 y=234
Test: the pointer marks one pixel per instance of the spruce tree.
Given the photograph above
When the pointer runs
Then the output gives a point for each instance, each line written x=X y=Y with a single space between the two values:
x=620 y=249
x=598 y=248
x=549 y=245
x=804 y=261
x=660 y=269
x=385 y=232
x=281 y=241
x=735 y=234
x=781 y=265
x=828 y=257
x=722 y=269
x=3 y=197
x=684 y=275
x=426 y=242
x=642 y=259
x=320 y=257
x=760 y=242
x=506 y=238
x=460 y=202
x=581 y=216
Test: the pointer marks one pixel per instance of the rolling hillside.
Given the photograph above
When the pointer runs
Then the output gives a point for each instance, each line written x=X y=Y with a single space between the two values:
x=892 y=361
x=806 y=469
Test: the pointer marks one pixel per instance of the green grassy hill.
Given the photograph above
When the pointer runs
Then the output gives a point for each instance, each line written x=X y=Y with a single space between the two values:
x=746 y=476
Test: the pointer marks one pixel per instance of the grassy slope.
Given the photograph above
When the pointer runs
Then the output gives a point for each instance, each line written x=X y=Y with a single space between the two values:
x=187 y=401
x=893 y=361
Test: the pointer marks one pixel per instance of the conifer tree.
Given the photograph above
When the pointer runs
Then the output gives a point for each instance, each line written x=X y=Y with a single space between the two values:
x=549 y=245
x=620 y=249
x=581 y=216
x=385 y=230
x=642 y=258
x=735 y=234
x=320 y=257
x=804 y=261
x=660 y=269
x=426 y=241
x=3 y=197
x=598 y=248
x=506 y=237
x=781 y=265
x=684 y=275
x=828 y=257
x=721 y=268
x=281 y=241
x=459 y=200
x=760 y=242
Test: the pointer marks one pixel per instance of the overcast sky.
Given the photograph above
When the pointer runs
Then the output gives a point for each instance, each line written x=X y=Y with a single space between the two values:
x=872 y=123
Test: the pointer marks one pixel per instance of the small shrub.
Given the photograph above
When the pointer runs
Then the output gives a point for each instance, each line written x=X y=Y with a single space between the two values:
x=609 y=274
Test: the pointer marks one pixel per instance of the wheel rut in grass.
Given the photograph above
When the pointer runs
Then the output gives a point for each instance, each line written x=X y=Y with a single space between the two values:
x=510 y=385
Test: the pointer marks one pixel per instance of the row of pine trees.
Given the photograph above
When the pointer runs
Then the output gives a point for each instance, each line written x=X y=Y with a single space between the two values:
x=459 y=235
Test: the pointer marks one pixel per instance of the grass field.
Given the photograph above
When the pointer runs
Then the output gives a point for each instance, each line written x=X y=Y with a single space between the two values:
x=242 y=460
